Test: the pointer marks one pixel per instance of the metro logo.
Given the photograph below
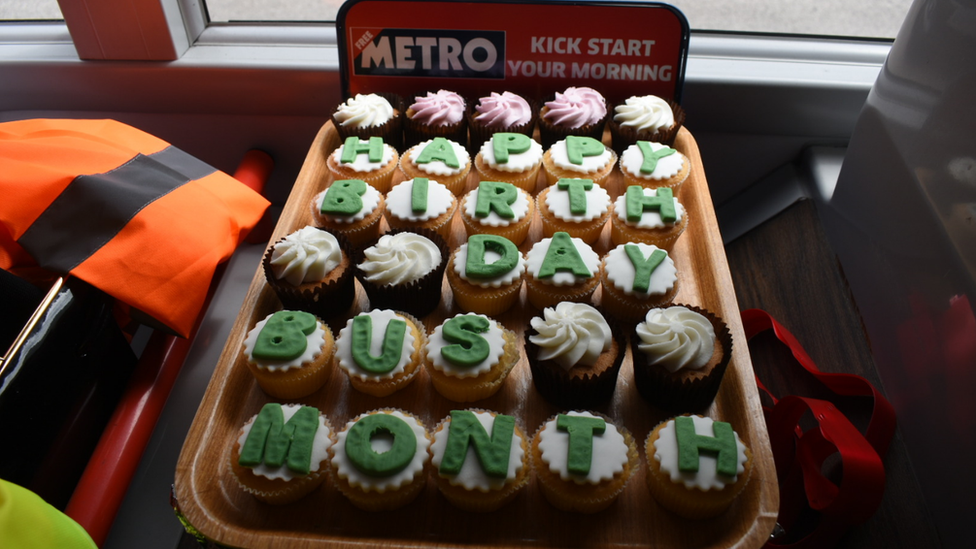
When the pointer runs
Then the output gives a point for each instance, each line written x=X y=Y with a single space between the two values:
x=430 y=52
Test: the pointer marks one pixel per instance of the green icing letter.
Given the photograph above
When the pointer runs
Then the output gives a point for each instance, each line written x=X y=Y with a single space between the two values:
x=283 y=335
x=577 y=193
x=651 y=157
x=644 y=267
x=493 y=453
x=504 y=143
x=353 y=148
x=343 y=197
x=469 y=348
x=362 y=338
x=497 y=196
x=723 y=445
x=578 y=147
x=418 y=195
x=439 y=149
x=475 y=266
x=562 y=255
x=637 y=203
x=581 y=430
x=368 y=461
x=273 y=442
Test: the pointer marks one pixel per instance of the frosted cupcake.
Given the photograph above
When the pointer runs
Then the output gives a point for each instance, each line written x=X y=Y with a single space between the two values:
x=404 y=270
x=371 y=160
x=436 y=114
x=645 y=118
x=583 y=461
x=289 y=353
x=279 y=469
x=636 y=278
x=367 y=115
x=697 y=467
x=579 y=207
x=561 y=268
x=481 y=459
x=440 y=159
x=576 y=111
x=469 y=356
x=421 y=203
x=498 y=208
x=651 y=216
x=350 y=207
x=499 y=112
x=654 y=165
x=578 y=157
x=510 y=158
x=379 y=460
x=485 y=274
x=680 y=356
x=381 y=351
x=311 y=270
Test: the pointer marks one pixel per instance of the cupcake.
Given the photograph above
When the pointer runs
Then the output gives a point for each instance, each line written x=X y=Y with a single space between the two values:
x=469 y=356
x=379 y=459
x=578 y=207
x=577 y=111
x=370 y=160
x=498 y=208
x=578 y=157
x=654 y=165
x=311 y=270
x=696 y=466
x=442 y=159
x=436 y=114
x=485 y=274
x=499 y=112
x=350 y=207
x=651 y=216
x=481 y=459
x=290 y=354
x=645 y=118
x=510 y=158
x=583 y=461
x=680 y=355
x=367 y=115
x=561 y=268
x=404 y=270
x=574 y=355
x=280 y=468
x=636 y=278
x=421 y=203
x=381 y=351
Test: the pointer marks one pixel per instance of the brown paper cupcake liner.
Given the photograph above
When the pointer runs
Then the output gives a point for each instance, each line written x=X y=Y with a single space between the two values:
x=327 y=300
x=625 y=136
x=419 y=297
x=391 y=131
x=682 y=393
x=478 y=133
x=415 y=132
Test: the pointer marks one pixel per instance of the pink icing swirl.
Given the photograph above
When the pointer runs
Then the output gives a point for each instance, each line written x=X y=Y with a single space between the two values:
x=576 y=107
x=438 y=109
x=503 y=110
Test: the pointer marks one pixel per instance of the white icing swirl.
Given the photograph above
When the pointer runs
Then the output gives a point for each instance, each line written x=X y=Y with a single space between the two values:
x=707 y=477
x=520 y=208
x=306 y=255
x=537 y=256
x=591 y=164
x=571 y=334
x=382 y=443
x=364 y=110
x=676 y=338
x=491 y=256
x=649 y=219
x=400 y=258
x=609 y=452
x=380 y=320
x=597 y=203
x=371 y=199
x=320 y=447
x=517 y=162
x=472 y=476
x=399 y=205
x=438 y=167
x=362 y=163
x=644 y=113
x=495 y=337
x=313 y=348
x=667 y=166
x=621 y=272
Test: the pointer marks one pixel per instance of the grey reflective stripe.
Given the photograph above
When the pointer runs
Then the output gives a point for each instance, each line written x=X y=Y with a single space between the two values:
x=92 y=209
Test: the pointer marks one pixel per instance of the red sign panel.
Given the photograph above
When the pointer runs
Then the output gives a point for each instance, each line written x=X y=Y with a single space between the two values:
x=406 y=47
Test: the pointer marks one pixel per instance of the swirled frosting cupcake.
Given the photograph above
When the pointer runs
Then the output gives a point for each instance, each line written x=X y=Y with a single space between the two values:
x=576 y=111
x=680 y=356
x=574 y=355
x=646 y=117
x=499 y=112
x=310 y=270
x=436 y=114
x=403 y=270
x=366 y=115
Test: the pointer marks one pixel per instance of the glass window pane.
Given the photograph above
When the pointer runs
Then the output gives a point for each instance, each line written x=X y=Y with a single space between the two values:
x=273 y=10
x=26 y=10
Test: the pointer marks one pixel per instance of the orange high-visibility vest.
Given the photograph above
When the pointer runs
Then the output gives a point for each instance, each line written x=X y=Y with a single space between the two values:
x=125 y=211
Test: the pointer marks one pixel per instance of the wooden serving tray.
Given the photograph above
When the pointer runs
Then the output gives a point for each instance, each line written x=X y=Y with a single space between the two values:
x=210 y=500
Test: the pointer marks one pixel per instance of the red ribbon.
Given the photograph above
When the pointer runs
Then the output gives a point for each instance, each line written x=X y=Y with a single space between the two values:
x=800 y=455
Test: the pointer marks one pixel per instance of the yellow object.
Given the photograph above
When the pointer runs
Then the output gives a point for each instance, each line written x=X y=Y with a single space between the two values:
x=27 y=521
